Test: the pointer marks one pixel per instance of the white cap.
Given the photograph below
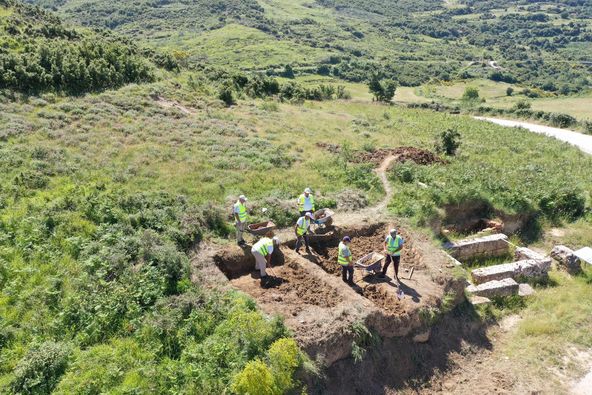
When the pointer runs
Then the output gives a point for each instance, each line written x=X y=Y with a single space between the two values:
x=393 y=231
x=242 y=197
x=307 y=190
x=309 y=215
x=276 y=240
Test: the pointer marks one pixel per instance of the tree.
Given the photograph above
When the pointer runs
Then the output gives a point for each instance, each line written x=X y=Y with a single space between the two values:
x=509 y=91
x=383 y=91
x=449 y=142
x=288 y=72
x=471 y=94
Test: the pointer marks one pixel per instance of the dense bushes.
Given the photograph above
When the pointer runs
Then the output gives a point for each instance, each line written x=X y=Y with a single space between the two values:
x=41 y=368
x=50 y=57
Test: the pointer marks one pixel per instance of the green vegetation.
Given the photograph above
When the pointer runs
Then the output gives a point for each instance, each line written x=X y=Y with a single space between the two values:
x=117 y=160
x=39 y=54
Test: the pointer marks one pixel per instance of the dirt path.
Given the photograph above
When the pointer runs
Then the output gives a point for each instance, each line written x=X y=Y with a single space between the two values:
x=381 y=172
x=580 y=140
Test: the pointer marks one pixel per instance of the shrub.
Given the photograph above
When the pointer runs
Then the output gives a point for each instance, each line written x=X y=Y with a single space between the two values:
x=522 y=105
x=449 y=142
x=562 y=120
x=255 y=378
x=39 y=371
x=563 y=203
x=470 y=94
x=225 y=94
x=284 y=359
x=509 y=91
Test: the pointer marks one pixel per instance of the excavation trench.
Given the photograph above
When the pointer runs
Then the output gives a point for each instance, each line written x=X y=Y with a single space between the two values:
x=320 y=308
x=322 y=311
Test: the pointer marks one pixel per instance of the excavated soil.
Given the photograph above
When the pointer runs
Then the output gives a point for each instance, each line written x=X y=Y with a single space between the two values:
x=381 y=292
x=364 y=244
x=291 y=287
x=377 y=156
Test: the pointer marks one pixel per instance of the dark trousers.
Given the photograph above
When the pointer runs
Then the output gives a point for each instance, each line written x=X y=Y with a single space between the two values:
x=396 y=260
x=347 y=274
x=300 y=240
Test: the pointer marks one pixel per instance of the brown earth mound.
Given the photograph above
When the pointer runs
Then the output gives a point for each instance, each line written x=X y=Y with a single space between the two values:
x=403 y=154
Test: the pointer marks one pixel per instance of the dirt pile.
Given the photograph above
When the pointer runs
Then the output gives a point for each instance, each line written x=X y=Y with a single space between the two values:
x=403 y=154
x=376 y=156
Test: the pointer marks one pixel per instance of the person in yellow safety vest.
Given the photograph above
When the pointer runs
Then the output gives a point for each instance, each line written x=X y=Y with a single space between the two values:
x=302 y=229
x=306 y=202
x=240 y=217
x=262 y=251
x=344 y=259
x=393 y=244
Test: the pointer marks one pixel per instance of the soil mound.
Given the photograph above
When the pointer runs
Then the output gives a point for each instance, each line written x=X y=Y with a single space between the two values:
x=402 y=154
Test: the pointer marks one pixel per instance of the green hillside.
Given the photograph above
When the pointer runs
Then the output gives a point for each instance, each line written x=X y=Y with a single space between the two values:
x=127 y=130
x=543 y=44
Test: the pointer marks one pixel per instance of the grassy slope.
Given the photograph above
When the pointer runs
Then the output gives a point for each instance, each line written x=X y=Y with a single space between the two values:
x=131 y=144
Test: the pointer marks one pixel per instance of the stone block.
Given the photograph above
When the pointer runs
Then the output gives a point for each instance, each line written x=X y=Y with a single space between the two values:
x=529 y=268
x=422 y=337
x=490 y=273
x=525 y=290
x=492 y=245
x=477 y=300
x=523 y=253
x=505 y=287
x=566 y=258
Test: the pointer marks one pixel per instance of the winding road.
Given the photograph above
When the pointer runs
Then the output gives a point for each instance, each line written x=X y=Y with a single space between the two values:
x=580 y=140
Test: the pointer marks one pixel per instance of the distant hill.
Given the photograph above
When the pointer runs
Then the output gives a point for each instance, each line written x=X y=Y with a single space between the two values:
x=543 y=44
x=38 y=53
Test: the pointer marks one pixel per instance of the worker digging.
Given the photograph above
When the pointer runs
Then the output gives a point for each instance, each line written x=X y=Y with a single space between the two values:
x=393 y=244
x=302 y=230
x=344 y=259
x=262 y=251
x=240 y=217
x=306 y=202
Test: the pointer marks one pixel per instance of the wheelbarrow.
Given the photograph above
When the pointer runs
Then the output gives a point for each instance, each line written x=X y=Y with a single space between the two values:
x=261 y=228
x=370 y=263
x=323 y=217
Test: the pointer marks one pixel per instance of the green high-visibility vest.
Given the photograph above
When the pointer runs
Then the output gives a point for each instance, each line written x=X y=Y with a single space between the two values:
x=341 y=258
x=242 y=211
x=392 y=244
x=301 y=200
x=263 y=246
x=302 y=229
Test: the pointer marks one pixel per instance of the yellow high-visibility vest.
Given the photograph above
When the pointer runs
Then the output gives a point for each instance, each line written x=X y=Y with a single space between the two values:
x=341 y=258
x=392 y=244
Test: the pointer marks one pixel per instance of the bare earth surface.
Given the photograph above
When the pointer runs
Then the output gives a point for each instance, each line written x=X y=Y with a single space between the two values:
x=580 y=140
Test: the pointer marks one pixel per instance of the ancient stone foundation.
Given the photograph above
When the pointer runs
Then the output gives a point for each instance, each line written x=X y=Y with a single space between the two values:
x=482 y=247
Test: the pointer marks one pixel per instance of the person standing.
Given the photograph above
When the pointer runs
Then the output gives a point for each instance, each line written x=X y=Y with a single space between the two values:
x=240 y=218
x=393 y=244
x=306 y=202
x=262 y=251
x=302 y=229
x=344 y=258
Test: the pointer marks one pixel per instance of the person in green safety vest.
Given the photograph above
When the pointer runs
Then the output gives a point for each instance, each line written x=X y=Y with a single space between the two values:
x=393 y=244
x=240 y=218
x=344 y=259
x=262 y=251
x=302 y=229
x=306 y=202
